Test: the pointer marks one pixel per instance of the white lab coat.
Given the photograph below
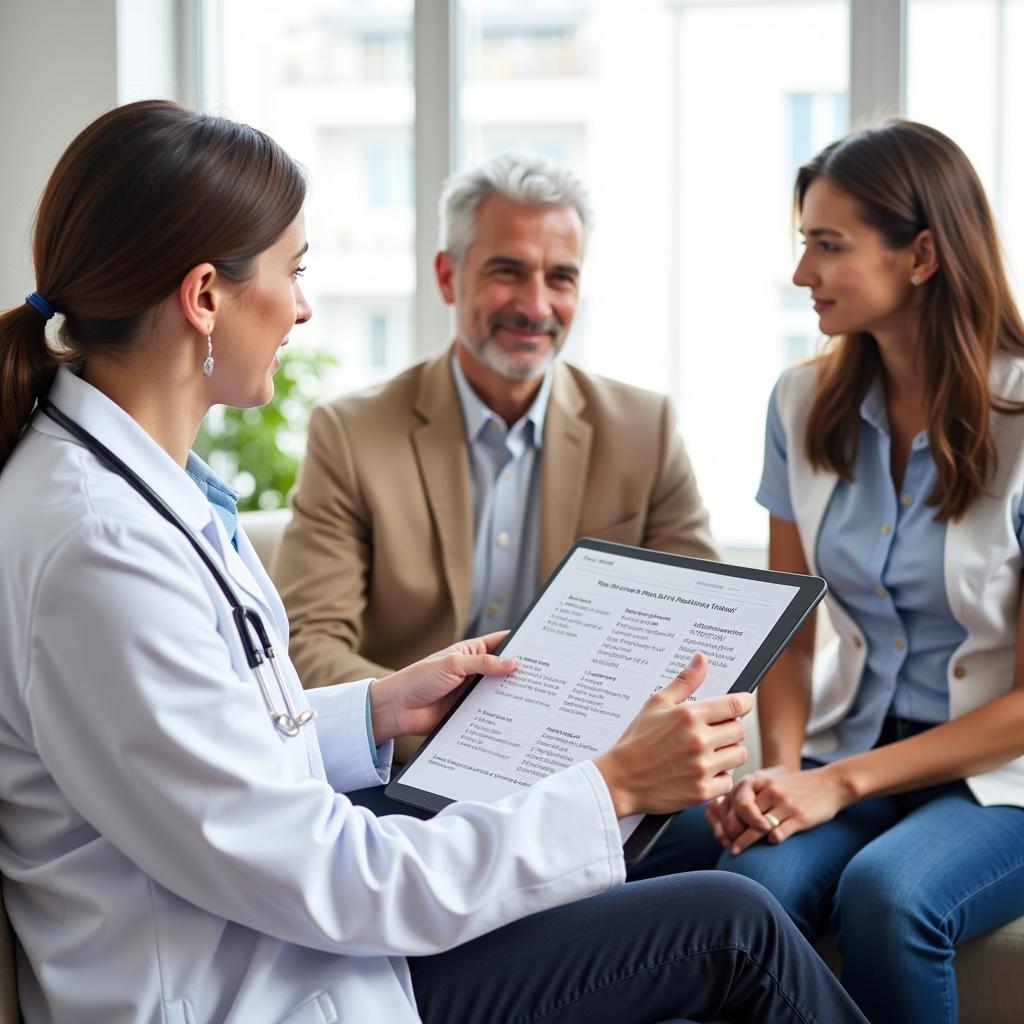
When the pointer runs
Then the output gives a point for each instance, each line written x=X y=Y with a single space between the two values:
x=168 y=856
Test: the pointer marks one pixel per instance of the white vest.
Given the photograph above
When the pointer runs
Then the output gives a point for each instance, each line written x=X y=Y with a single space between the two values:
x=982 y=568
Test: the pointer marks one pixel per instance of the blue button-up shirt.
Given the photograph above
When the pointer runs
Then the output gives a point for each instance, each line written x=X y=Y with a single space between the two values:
x=504 y=477
x=222 y=497
x=883 y=555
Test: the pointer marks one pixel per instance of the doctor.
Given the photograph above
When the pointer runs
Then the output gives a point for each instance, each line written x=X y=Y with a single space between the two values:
x=174 y=840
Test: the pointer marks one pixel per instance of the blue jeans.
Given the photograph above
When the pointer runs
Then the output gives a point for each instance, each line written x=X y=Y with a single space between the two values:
x=901 y=880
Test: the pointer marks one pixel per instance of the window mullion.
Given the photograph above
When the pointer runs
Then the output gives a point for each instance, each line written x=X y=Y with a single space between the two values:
x=877 y=59
x=435 y=81
x=195 y=51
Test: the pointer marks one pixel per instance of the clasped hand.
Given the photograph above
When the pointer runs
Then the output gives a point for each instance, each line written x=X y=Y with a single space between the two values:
x=775 y=803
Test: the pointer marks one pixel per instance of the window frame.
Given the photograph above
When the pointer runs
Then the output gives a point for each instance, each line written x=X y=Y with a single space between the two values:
x=877 y=89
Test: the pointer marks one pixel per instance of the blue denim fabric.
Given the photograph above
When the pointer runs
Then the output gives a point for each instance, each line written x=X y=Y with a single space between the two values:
x=901 y=880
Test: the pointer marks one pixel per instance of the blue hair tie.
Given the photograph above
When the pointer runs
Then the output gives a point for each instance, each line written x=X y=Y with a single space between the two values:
x=38 y=303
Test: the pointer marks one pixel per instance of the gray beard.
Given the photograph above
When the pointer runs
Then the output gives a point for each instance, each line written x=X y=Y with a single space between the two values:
x=488 y=352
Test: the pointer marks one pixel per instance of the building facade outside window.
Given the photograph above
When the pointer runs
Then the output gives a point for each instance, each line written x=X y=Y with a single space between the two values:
x=687 y=119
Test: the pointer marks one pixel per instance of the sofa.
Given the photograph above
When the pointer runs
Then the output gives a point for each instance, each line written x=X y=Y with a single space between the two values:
x=990 y=969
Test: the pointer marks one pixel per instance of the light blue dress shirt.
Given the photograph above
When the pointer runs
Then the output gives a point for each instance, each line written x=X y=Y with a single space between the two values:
x=504 y=479
x=222 y=497
x=883 y=555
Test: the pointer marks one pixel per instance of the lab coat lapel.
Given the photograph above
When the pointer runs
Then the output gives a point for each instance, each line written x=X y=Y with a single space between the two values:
x=440 y=446
x=114 y=428
x=565 y=457
x=241 y=574
x=264 y=585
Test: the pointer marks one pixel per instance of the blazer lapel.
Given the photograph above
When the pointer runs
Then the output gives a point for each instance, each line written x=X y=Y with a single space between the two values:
x=440 y=446
x=565 y=457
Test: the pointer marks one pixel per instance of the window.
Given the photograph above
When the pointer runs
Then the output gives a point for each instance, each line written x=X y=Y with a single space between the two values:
x=385 y=55
x=686 y=121
x=373 y=333
x=377 y=341
x=975 y=99
x=387 y=177
x=331 y=80
x=815 y=120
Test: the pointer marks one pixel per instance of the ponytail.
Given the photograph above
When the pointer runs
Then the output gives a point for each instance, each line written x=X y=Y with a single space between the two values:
x=27 y=367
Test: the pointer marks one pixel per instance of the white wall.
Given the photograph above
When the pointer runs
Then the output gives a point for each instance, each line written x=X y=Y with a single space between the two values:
x=59 y=69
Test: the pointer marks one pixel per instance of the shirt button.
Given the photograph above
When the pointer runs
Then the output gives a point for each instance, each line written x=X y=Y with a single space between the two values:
x=492 y=609
x=857 y=642
x=880 y=591
x=507 y=476
x=959 y=672
x=907 y=500
x=899 y=643
x=886 y=530
x=503 y=539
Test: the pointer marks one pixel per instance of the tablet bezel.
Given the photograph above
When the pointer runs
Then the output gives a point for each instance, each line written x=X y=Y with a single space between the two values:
x=810 y=591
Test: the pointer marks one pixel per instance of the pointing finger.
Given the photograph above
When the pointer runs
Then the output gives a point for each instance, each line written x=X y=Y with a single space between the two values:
x=688 y=680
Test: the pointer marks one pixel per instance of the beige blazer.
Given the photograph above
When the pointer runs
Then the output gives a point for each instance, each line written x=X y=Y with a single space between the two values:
x=375 y=568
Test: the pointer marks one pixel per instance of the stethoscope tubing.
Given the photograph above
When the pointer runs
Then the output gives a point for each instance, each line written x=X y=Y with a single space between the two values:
x=291 y=720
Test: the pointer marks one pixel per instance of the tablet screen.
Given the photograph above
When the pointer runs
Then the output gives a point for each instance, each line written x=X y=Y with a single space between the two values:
x=613 y=625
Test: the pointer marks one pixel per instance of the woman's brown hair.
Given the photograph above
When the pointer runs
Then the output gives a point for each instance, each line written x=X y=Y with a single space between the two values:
x=907 y=178
x=142 y=195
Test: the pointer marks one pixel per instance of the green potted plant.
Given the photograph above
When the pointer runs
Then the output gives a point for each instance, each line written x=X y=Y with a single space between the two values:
x=257 y=451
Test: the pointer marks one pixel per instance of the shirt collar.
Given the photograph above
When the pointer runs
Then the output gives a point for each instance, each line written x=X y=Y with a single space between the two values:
x=111 y=425
x=872 y=406
x=222 y=497
x=477 y=414
x=874 y=412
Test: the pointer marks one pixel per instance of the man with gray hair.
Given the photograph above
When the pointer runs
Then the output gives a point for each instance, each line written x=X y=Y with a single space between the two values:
x=431 y=508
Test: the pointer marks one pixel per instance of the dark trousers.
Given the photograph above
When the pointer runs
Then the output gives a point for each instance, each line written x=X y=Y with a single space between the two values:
x=705 y=946
x=698 y=946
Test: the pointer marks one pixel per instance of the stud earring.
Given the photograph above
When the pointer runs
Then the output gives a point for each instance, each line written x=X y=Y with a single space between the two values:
x=915 y=279
x=208 y=361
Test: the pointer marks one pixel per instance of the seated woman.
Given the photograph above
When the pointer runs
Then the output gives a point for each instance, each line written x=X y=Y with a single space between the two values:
x=174 y=840
x=894 y=468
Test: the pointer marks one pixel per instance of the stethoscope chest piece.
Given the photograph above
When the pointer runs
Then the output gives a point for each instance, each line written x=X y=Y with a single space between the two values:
x=257 y=651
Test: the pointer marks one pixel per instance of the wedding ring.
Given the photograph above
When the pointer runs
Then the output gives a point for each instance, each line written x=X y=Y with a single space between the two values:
x=771 y=819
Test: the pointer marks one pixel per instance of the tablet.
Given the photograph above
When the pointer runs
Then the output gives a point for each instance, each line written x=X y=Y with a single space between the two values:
x=611 y=626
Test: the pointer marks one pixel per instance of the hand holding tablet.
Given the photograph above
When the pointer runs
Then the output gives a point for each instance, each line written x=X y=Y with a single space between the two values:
x=613 y=625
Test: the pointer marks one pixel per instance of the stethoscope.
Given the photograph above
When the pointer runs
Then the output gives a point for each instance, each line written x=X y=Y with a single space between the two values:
x=247 y=620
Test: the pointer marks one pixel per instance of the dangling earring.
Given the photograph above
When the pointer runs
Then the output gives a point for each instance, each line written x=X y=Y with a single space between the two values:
x=208 y=361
